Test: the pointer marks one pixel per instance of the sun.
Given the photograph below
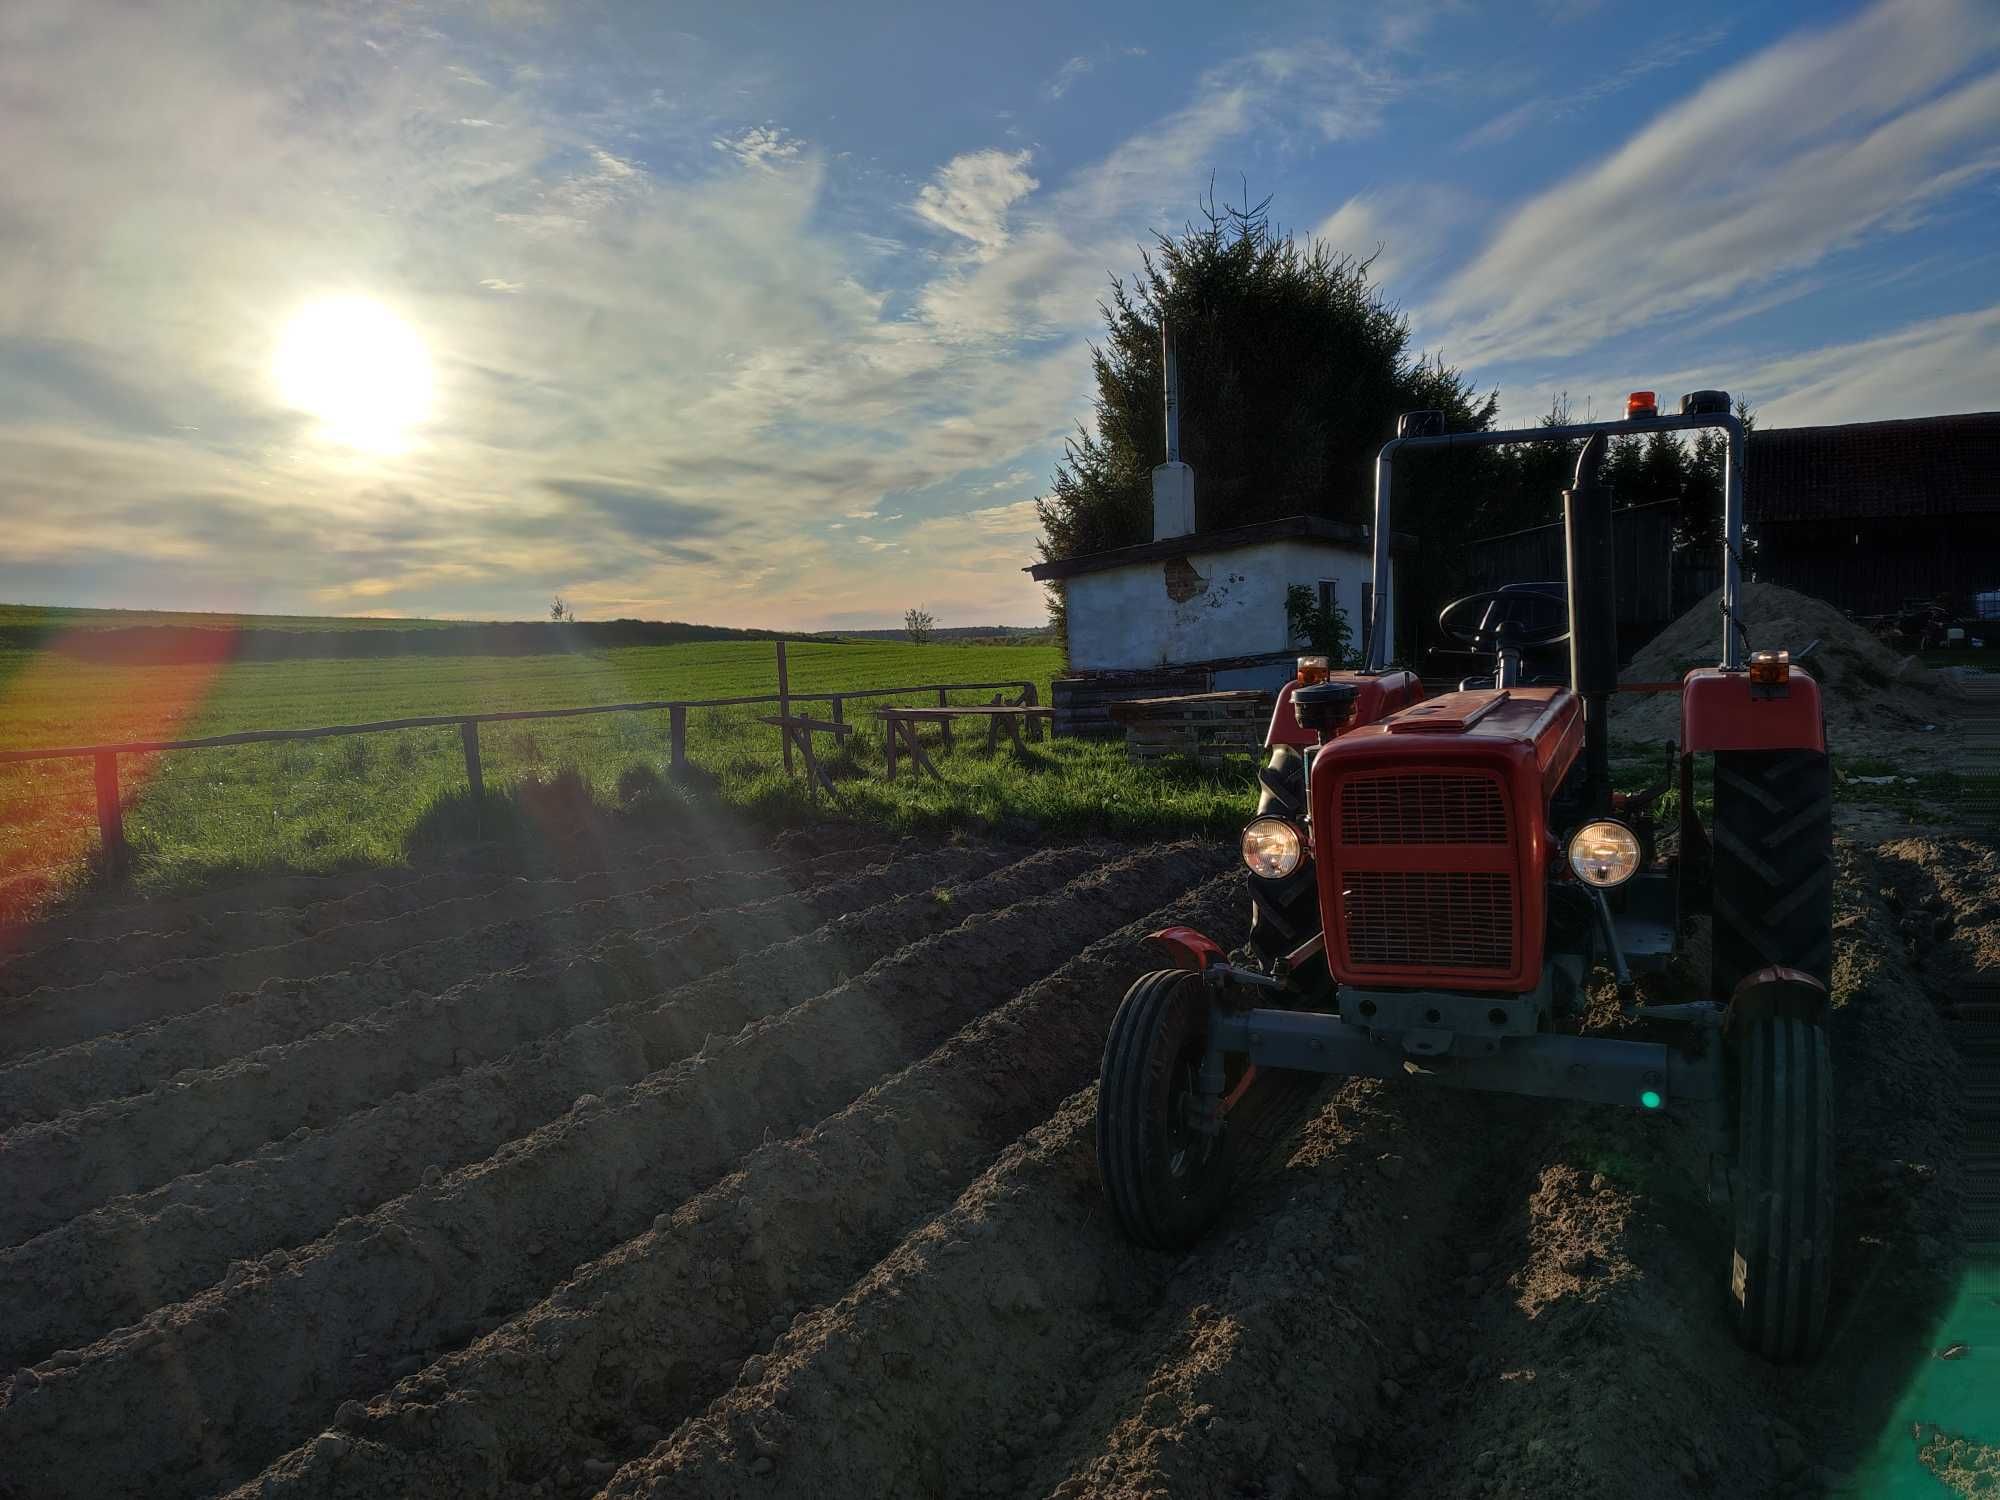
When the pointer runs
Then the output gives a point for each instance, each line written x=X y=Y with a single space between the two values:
x=357 y=367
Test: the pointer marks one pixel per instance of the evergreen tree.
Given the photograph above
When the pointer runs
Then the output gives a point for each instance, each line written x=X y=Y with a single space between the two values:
x=1293 y=369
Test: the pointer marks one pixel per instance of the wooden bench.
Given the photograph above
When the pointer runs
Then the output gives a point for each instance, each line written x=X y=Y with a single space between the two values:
x=799 y=730
x=1201 y=726
x=899 y=729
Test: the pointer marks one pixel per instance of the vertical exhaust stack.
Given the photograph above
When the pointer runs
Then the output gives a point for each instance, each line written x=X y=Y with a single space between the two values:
x=1593 y=616
x=1173 y=481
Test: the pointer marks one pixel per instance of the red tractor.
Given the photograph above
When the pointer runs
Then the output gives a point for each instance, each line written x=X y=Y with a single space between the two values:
x=1434 y=880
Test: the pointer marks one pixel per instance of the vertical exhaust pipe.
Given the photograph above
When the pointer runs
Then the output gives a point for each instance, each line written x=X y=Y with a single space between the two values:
x=1593 y=616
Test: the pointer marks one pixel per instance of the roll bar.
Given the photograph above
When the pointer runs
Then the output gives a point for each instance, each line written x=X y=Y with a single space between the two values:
x=1379 y=642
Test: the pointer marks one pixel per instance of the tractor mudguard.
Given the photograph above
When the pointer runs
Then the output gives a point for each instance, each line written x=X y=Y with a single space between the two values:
x=1726 y=711
x=1379 y=695
x=1787 y=994
x=1188 y=949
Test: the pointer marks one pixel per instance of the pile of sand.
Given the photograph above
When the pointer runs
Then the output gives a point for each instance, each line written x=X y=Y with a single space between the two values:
x=1877 y=702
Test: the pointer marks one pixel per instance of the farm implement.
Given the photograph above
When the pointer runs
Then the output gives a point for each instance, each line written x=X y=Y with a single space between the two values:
x=1434 y=881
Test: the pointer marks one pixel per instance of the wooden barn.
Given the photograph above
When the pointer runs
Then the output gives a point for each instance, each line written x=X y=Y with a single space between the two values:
x=1869 y=514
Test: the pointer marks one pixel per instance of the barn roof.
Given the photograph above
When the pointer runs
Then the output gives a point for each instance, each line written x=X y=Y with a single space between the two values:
x=1291 y=528
x=1925 y=466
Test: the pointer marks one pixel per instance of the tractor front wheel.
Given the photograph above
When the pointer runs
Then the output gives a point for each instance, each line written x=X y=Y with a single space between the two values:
x=1166 y=1180
x=1782 y=1188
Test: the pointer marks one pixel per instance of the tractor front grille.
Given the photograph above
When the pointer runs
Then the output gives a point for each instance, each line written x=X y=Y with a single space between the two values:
x=1422 y=809
x=1428 y=919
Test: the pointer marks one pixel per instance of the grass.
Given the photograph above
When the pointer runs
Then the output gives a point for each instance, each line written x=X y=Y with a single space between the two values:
x=324 y=805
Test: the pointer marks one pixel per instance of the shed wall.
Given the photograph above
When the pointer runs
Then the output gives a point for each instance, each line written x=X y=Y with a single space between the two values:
x=1202 y=606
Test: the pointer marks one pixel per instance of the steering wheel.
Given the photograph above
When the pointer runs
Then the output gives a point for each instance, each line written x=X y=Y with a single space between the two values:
x=1506 y=618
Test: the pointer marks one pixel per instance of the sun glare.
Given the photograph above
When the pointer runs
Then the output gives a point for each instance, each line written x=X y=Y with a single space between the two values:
x=357 y=367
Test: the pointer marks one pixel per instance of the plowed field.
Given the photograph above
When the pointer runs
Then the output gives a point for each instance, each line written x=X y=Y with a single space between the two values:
x=771 y=1172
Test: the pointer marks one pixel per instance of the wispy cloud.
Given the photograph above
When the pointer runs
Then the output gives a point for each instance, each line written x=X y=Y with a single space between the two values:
x=1803 y=150
x=1050 y=273
x=1066 y=76
x=764 y=146
x=971 y=195
x=1661 y=53
x=1403 y=228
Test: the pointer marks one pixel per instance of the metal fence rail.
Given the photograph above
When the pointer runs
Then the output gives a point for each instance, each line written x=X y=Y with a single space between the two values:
x=110 y=817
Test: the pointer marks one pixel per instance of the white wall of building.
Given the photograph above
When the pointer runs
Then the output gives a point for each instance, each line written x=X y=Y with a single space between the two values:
x=1204 y=606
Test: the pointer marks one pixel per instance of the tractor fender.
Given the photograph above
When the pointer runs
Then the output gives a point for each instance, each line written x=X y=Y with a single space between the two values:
x=1778 y=992
x=1726 y=711
x=1377 y=695
x=1188 y=949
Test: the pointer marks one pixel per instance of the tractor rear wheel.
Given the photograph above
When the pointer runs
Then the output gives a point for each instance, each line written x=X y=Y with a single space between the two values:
x=1773 y=905
x=1773 y=872
x=1165 y=1179
x=1284 y=913
x=1782 y=1188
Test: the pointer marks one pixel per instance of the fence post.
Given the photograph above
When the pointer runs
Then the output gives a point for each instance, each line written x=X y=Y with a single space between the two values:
x=944 y=697
x=469 y=732
x=839 y=709
x=110 y=817
x=677 y=734
x=784 y=706
x=1030 y=700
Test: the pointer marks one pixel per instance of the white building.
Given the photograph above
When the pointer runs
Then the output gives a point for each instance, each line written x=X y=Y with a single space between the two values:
x=1213 y=600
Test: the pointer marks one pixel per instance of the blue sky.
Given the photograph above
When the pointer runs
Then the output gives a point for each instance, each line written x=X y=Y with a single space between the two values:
x=778 y=315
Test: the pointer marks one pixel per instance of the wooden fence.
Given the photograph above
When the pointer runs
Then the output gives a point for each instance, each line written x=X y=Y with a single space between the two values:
x=111 y=821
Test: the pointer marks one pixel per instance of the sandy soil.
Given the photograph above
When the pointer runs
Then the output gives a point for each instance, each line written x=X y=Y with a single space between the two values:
x=782 y=1181
x=1877 y=703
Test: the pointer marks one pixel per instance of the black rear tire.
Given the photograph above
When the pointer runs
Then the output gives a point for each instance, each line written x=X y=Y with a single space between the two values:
x=1284 y=913
x=1773 y=906
x=1782 y=1189
x=1773 y=873
x=1166 y=1182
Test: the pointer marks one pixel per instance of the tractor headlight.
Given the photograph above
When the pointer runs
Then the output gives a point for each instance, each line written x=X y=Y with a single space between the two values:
x=1604 y=854
x=1273 y=848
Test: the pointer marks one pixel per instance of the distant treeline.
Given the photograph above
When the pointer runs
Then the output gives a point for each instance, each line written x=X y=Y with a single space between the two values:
x=966 y=635
x=180 y=645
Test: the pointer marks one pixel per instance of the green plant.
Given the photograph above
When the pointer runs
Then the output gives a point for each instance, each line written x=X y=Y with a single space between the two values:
x=1322 y=627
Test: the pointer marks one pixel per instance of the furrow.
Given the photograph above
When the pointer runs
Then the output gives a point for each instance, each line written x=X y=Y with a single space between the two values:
x=220 y=905
x=653 y=1330
x=998 y=1343
x=47 y=1084
x=134 y=1254
x=68 y=1165
x=194 y=928
x=259 y=1360
x=57 y=1017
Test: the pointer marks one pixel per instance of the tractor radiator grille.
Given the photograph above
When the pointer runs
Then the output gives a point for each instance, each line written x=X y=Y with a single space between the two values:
x=1426 y=809
x=1428 y=919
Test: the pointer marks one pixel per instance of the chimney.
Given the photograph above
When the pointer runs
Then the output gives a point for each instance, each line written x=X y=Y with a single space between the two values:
x=1173 y=481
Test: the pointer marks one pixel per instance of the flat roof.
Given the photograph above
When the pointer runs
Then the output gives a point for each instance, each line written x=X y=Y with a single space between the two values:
x=1290 y=528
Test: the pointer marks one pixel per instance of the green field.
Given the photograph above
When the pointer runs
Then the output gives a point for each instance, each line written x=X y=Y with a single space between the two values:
x=379 y=799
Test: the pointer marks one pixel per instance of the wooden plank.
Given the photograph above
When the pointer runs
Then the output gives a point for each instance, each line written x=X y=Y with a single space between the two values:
x=799 y=721
x=962 y=711
x=677 y=735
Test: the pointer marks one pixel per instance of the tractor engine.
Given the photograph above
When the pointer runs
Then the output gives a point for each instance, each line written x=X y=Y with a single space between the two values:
x=1434 y=853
